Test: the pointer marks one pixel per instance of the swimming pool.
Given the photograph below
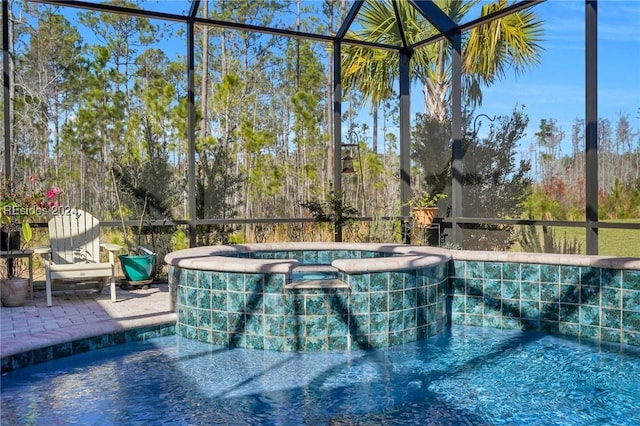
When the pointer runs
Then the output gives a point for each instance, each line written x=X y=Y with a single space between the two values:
x=465 y=375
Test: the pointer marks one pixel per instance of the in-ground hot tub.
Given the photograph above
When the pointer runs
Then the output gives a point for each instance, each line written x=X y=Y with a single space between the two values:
x=309 y=296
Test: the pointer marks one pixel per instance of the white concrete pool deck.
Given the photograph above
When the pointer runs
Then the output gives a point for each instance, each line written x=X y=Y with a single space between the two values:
x=80 y=314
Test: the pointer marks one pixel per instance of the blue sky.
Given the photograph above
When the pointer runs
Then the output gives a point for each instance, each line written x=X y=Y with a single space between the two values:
x=555 y=88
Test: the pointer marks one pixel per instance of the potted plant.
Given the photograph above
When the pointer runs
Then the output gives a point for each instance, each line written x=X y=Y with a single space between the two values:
x=18 y=208
x=138 y=265
x=424 y=207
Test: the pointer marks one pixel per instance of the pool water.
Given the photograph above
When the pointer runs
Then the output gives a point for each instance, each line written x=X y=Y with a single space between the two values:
x=466 y=375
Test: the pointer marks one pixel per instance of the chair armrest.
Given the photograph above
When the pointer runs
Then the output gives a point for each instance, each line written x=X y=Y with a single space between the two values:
x=111 y=247
x=46 y=250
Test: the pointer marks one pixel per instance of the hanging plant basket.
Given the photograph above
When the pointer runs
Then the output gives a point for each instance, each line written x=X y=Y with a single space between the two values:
x=424 y=215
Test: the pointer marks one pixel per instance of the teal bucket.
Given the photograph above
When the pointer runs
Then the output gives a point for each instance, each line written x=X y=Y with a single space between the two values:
x=138 y=267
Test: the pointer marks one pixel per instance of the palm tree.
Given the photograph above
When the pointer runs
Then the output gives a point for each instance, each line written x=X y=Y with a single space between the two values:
x=489 y=50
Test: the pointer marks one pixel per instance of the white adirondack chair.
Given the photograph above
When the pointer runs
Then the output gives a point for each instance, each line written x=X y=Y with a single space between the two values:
x=74 y=253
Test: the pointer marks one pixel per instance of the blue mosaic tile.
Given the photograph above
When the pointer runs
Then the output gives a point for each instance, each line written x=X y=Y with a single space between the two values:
x=253 y=283
x=235 y=322
x=475 y=287
x=590 y=276
x=254 y=303
x=337 y=326
x=589 y=315
x=203 y=319
x=255 y=324
x=530 y=309
x=492 y=288
x=396 y=300
x=191 y=317
x=359 y=324
x=492 y=271
x=631 y=338
x=611 y=278
x=492 y=321
x=611 y=318
x=456 y=269
x=379 y=323
x=550 y=273
x=191 y=296
x=590 y=295
x=359 y=303
x=474 y=305
x=569 y=313
x=274 y=343
x=549 y=311
x=410 y=299
x=274 y=325
x=458 y=286
x=432 y=293
x=204 y=280
x=550 y=327
x=396 y=281
x=410 y=335
x=359 y=282
x=274 y=283
x=611 y=335
x=191 y=278
x=339 y=303
x=310 y=257
x=421 y=294
x=254 y=342
x=491 y=305
x=219 y=281
x=510 y=271
x=338 y=343
x=410 y=280
x=530 y=290
x=631 y=300
x=273 y=304
x=410 y=318
x=511 y=323
x=236 y=302
x=219 y=300
x=316 y=305
x=568 y=329
x=589 y=332
x=204 y=299
x=280 y=255
x=203 y=335
x=219 y=321
x=379 y=302
x=510 y=290
x=458 y=304
x=235 y=282
x=474 y=269
x=396 y=321
x=379 y=281
x=379 y=340
x=549 y=292
x=570 y=293
x=530 y=273
x=569 y=274
x=511 y=308
x=631 y=279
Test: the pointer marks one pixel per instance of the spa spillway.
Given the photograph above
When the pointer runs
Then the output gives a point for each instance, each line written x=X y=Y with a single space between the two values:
x=309 y=296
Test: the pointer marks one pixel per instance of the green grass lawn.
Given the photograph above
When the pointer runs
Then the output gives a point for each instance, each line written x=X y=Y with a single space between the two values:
x=611 y=242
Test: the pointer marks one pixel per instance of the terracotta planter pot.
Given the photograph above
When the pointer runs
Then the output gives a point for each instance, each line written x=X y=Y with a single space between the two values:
x=13 y=291
x=424 y=215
